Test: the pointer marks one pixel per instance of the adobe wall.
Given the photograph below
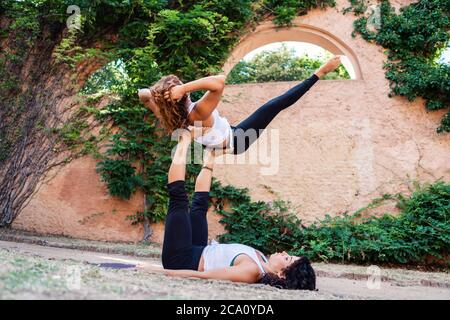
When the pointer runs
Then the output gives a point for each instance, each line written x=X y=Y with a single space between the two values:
x=342 y=145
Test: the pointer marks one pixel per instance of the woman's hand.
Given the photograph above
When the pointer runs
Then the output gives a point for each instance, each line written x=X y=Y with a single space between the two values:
x=149 y=268
x=175 y=94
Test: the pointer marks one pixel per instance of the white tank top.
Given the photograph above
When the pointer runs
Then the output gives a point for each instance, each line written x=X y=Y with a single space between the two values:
x=218 y=133
x=218 y=255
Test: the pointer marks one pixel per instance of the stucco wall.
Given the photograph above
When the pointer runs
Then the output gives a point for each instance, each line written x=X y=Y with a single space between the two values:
x=343 y=144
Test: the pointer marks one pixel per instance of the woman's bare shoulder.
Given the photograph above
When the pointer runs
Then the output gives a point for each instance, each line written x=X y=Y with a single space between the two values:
x=245 y=261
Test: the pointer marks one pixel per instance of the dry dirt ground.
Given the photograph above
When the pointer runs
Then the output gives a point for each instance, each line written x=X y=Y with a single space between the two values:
x=53 y=269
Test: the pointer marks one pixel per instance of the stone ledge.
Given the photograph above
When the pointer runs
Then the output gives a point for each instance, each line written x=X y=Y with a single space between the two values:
x=150 y=250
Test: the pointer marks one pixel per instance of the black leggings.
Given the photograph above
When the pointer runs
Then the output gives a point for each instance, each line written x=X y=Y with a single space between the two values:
x=249 y=130
x=186 y=233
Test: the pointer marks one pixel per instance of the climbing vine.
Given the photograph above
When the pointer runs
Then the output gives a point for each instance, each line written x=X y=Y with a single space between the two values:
x=419 y=235
x=414 y=40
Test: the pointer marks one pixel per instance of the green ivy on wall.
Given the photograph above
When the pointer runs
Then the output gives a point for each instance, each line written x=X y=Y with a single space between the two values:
x=414 y=40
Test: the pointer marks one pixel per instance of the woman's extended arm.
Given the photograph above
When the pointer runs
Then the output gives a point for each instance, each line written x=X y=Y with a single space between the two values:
x=208 y=103
x=247 y=273
x=242 y=273
x=212 y=83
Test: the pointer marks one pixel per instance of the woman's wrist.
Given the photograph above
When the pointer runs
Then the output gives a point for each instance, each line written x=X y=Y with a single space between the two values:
x=319 y=74
x=184 y=88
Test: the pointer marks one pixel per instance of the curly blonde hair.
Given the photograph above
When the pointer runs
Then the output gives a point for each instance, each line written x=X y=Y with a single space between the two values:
x=173 y=113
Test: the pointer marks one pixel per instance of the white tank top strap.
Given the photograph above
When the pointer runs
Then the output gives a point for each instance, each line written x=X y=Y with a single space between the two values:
x=191 y=107
x=259 y=263
x=220 y=131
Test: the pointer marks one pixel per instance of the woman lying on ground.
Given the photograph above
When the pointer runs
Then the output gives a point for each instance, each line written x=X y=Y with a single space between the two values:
x=170 y=101
x=186 y=252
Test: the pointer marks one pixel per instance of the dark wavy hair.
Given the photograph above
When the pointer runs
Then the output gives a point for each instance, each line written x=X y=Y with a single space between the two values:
x=298 y=276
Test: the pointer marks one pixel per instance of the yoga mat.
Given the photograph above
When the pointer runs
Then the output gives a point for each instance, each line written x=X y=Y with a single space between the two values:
x=116 y=265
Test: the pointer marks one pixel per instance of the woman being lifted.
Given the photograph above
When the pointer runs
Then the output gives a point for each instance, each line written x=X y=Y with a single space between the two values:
x=169 y=99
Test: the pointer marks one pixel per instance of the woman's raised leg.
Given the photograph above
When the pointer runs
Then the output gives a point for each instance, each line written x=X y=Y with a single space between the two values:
x=200 y=201
x=262 y=117
x=177 y=246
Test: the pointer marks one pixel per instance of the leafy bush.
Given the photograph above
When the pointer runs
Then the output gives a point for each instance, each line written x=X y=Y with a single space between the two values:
x=287 y=10
x=267 y=227
x=119 y=176
x=421 y=231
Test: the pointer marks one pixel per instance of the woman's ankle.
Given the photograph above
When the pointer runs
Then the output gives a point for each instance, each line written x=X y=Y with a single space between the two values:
x=319 y=74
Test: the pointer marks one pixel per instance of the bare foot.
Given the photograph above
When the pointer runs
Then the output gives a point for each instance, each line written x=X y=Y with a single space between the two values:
x=329 y=66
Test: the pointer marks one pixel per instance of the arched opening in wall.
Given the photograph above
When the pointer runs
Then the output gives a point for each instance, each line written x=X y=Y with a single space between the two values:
x=108 y=79
x=444 y=57
x=267 y=33
x=284 y=61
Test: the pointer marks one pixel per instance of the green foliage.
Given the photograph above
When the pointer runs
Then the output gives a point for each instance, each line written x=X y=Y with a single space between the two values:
x=70 y=134
x=284 y=11
x=267 y=227
x=67 y=51
x=120 y=177
x=280 y=65
x=192 y=43
x=229 y=193
x=357 y=7
x=445 y=124
x=415 y=38
x=421 y=231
